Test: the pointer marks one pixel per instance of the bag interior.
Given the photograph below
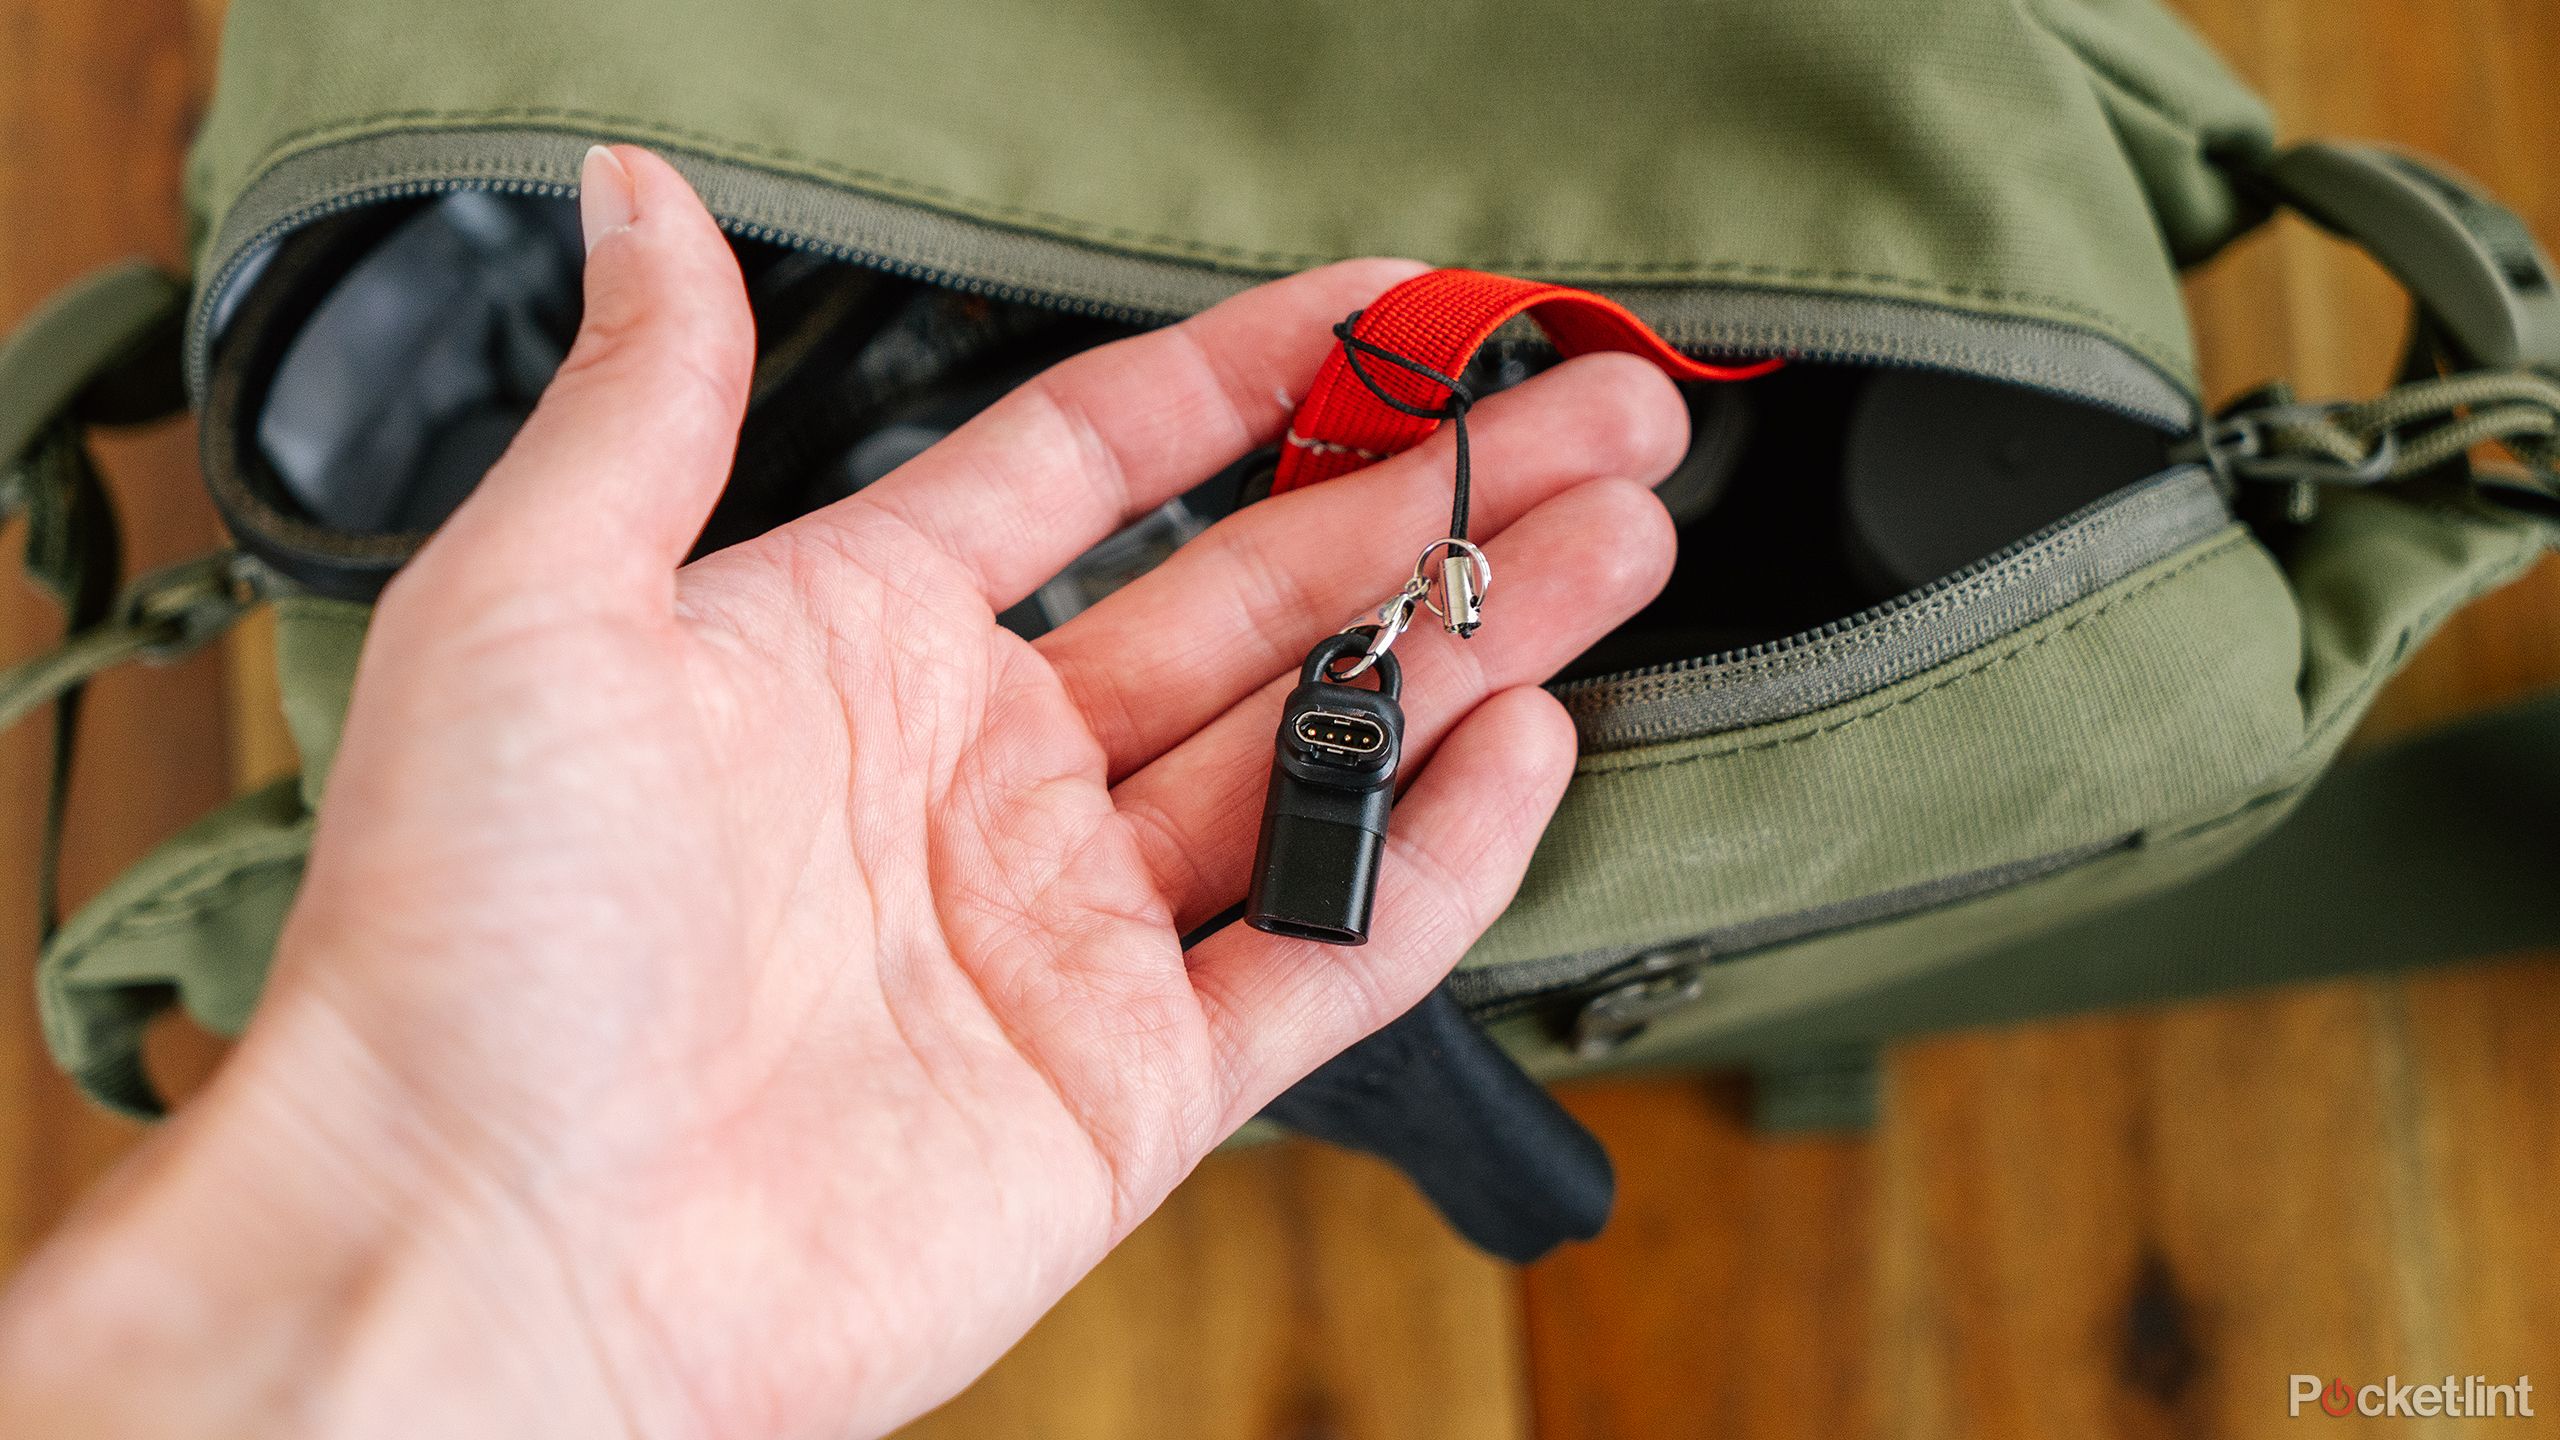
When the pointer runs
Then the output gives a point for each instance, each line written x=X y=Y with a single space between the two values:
x=401 y=345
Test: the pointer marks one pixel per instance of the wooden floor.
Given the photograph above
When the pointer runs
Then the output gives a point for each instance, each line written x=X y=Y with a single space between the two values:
x=2134 y=1226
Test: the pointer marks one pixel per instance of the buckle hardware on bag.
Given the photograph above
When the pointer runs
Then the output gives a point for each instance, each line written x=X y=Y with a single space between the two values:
x=2240 y=446
x=162 y=616
x=2482 y=366
x=2411 y=430
x=181 y=608
x=1664 y=981
x=2243 y=445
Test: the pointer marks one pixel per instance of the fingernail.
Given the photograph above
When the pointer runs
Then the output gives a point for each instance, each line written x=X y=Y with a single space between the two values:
x=605 y=202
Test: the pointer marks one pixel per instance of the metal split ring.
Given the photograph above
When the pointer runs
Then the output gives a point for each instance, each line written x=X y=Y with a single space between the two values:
x=1464 y=578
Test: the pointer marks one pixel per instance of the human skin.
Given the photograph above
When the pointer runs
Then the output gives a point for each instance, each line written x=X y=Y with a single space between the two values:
x=736 y=999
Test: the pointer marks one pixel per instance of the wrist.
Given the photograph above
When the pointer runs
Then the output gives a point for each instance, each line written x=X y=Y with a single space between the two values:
x=291 y=1256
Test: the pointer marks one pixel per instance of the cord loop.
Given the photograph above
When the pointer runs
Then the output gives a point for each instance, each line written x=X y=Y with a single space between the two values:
x=1462 y=398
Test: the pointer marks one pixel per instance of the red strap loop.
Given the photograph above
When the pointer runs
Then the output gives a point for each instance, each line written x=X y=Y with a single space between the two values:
x=1439 y=320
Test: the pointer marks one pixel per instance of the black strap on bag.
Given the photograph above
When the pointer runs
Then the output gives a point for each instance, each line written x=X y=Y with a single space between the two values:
x=1487 y=1145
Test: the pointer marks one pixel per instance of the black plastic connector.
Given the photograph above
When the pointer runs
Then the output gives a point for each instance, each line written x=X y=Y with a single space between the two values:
x=1333 y=782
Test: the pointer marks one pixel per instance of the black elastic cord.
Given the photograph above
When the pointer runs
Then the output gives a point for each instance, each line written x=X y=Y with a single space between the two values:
x=1454 y=409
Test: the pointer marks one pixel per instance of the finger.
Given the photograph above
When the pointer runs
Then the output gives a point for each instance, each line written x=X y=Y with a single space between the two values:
x=1163 y=656
x=1462 y=838
x=609 y=481
x=1572 y=570
x=1097 y=440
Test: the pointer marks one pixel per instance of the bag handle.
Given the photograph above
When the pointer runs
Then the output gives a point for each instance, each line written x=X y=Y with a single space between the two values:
x=104 y=351
x=2482 y=363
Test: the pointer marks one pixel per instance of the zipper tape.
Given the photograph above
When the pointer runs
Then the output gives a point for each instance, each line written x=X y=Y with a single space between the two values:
x=2023 y=583
x=1734 y=316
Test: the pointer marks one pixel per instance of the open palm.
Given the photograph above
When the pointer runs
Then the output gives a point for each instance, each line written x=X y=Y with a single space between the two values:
x=763 y=978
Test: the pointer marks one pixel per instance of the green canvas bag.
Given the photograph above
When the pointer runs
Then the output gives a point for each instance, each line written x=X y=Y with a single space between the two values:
x=1903 y=771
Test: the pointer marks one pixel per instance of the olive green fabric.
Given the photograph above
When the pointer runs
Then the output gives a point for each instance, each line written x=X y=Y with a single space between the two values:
x=2026 y=158
x=2166 y=695
x=197 y=920
x=2183 y=710
x=317 y=644
x=2169 y=111
x=2436 y=849
x=2185 y=732
x=82 y=335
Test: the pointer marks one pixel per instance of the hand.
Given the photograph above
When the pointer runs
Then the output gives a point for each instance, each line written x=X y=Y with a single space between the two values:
x=738 y=999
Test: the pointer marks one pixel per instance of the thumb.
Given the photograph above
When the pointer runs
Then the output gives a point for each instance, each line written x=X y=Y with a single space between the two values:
x=609 y=481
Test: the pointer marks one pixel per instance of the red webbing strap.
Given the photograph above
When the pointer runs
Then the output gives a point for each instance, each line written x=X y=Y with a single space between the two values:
x=1440 y=320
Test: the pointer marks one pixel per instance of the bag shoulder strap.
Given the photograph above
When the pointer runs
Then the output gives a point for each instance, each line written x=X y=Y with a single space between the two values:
x=105 y=351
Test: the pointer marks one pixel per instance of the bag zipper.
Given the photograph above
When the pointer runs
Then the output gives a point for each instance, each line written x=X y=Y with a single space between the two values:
x=2022 y=583
x=916 y=243
x=213 y=308
x=1749 y=686
x=1630 y=988
x=2004 y=592
x=2035 y=574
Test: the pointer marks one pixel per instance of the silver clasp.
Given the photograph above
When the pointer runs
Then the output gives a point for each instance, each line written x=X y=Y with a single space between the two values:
x=1463 y=578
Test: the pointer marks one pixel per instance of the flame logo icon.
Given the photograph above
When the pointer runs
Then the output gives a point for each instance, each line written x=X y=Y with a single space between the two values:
x=2338 y=1399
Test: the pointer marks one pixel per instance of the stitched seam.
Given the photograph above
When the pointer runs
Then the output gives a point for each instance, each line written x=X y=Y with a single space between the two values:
x=183 y=899
x=2250 y=808
x=2088 y=331
x=2104 y=72
x=2218 y=549
x=1822 y=652
x=357 y=127
x=1327 y=447
x=2316 y=732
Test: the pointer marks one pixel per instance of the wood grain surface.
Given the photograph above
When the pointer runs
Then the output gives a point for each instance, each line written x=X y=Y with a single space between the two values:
x=2134 y=1225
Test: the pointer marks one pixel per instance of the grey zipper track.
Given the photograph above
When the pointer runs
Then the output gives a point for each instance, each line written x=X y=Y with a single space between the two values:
x=1493 y=991
x=2036 y=577
x=242 y=253
x=2023 y=583
x=910 y=240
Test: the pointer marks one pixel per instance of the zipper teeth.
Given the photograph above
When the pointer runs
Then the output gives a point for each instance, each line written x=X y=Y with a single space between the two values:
x=1800 y=347
x=199 y=351
x=199 y=355
x=1542 y=983
x=947 y=280
x=1834 y=629
x=275 y=230
x=284 y=225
